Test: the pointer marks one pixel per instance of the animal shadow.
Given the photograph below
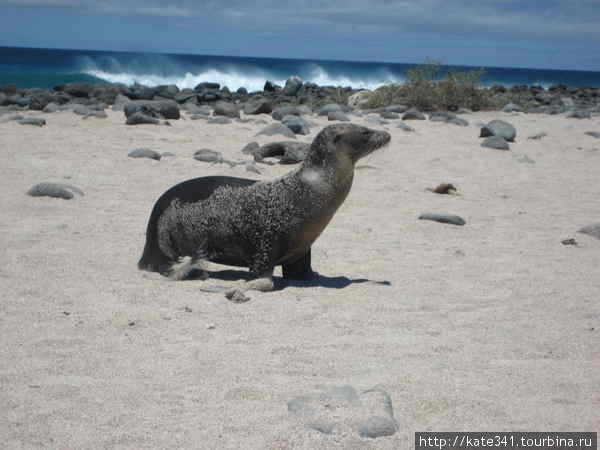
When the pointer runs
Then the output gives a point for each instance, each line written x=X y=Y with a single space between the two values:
x=318 y=280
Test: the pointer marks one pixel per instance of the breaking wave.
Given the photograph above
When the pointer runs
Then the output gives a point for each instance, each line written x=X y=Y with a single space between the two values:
x=252 y=75
x=50 y=67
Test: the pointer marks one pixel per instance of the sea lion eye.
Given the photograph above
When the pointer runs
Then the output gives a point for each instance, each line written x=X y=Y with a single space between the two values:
x=337 y=137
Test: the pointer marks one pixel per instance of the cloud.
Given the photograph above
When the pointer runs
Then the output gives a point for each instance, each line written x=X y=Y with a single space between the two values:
x=348 y=25
x=511 y=19
x=515 y=18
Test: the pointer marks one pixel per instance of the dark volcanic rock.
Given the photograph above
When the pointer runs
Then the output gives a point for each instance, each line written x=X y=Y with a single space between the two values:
x=185 y=95
x=219 y=120
x=167 y=91
x=144 y=153
x=82 y=110
x=444 y=218
x=10 y=117
x=292 y=86
x=251 y=148
x=39 y=99
x=495 y=142
x=537 y=136
x=282 y=111
x=167 y=109
x=32 y=121
x=405 y=127
x=192 y=108
x=413 y=114
x=140 y=118
x=276 y=128
x=288 y=152
x=459 y=121
x=448 y=117
x=207 y=85
x=139 y=92
x=331 y=107
x=51 y=108
x=259 y=106
x=511 y=107
x=98 y=114
x=17 y=99
x=227 y=110
x=499 y=128
x=395 y=108
x=337 y=115
x=206 y=155
x=56 y=190
x=271 y=87
x=297 y=124
x=594 y=134
x=9 y=89
x=377 y=426
x=579 y=114
x=76 y=89
x=389 y=115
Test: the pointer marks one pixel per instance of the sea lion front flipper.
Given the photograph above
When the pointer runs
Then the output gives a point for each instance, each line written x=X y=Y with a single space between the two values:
x=264 y=283
x=299 y=269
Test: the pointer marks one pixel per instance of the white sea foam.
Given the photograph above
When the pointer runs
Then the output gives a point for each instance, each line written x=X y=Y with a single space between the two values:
x=253 y=80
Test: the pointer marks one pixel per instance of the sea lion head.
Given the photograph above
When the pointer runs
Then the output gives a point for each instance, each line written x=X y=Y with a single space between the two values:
x=346 y=141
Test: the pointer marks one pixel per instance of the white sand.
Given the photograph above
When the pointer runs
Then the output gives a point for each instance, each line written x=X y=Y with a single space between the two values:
x=494 y=326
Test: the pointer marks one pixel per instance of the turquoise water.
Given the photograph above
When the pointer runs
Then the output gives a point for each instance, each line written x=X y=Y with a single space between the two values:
x=45 y=68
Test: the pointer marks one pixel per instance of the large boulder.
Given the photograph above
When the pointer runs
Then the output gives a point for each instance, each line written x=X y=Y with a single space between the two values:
x=276 y=128
x=185 y=95
x=105 y=93
x=139 y=92
x=331 y=107
x=227 y=110
x=281 y=112
x=337 y=115
x=292 y=86
x=413 y=114
x=511 y=107
x=39 y=99
x=167 y=91
x=167 y=109
x=297 y=124
x=499 y=128
x=76 y=89
x=258 y=106
x=360 y=99
x=271 y=87
x=207 y=85
x=139 y=118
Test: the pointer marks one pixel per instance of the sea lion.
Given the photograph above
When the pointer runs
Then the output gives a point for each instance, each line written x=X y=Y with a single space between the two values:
x=257 y=224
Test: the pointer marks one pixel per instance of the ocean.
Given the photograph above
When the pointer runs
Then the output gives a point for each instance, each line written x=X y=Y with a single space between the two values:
x=45 y=68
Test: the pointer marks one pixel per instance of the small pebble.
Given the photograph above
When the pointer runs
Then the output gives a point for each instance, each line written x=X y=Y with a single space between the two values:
x=444 y=218
x=570 y=241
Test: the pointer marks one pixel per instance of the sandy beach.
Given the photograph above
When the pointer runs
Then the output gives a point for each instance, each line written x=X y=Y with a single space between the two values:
x=490 y=326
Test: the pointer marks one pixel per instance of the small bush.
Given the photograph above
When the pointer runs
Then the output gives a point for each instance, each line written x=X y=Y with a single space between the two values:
x=427 y=90
x=385 y=96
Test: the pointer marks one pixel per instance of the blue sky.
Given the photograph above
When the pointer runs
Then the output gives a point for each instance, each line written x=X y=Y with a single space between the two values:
x=559 y=34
